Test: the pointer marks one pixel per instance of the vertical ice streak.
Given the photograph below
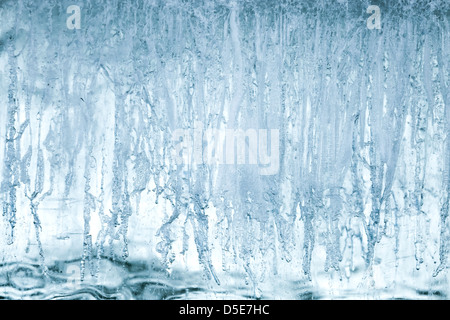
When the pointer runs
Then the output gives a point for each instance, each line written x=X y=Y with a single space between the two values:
x=10 y=169
x=442 y=82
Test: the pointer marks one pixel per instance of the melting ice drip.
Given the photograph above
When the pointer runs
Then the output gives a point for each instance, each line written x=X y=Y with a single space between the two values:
x=87 y=149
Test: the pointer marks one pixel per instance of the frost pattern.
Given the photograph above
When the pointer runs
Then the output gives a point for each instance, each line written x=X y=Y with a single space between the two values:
x=87 y=157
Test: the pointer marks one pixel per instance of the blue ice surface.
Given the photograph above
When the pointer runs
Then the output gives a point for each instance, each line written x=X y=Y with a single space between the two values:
x=262 y=149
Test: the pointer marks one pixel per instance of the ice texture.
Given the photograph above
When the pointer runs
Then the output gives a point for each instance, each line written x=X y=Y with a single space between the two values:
x=94 y=196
